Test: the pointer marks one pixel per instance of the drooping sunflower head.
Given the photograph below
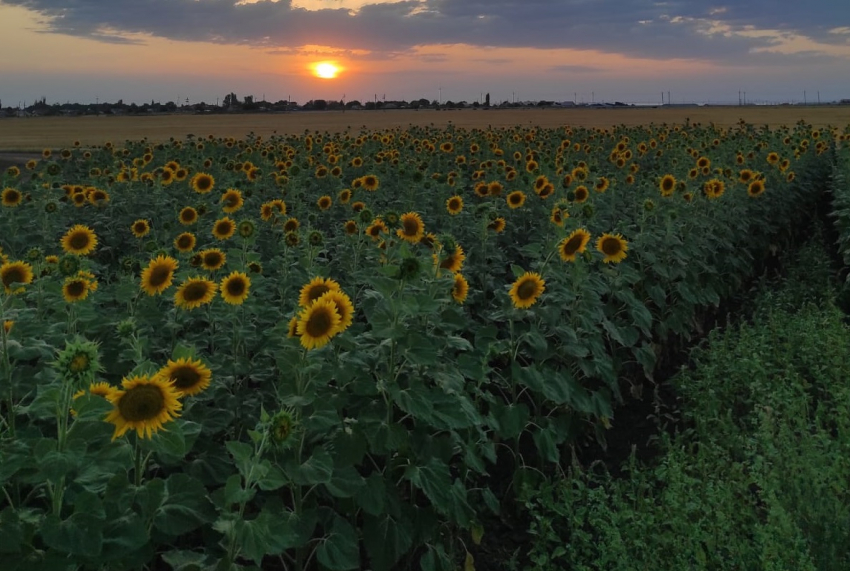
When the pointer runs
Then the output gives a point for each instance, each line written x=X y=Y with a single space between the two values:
x=224 y=228
x=202 y=183
x=613 y=247
x=526 y=290
x=15 y=273
x=315 y=289
x=602 y=184
x=495 y=188
x=79 y=240
x=195 y=292
x=188 y=376
x=212 y=259
x=450 y=259
x=460 y=288
x=159 y=274
x=497 y=225
x=318 y=323
x=573 y=245
x=412 y=228
x=143 y=404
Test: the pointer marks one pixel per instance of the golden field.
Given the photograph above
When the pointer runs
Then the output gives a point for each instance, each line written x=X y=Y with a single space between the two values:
x=34 y=134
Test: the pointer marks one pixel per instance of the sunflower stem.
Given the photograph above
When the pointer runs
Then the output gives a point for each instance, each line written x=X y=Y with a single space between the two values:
x=7 y=370
x=137 y=462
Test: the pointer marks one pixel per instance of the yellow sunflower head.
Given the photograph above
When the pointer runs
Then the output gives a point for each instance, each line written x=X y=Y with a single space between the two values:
x=318 y=323
x=185 y=242
x=667 y=186
x=224 y=228
x=195 y=292
x=75 y=288
x=756 y=188
x=188 y=216
x=202 y=183
x=232 y=200
x=212 y=259
x=143 y=404
x=15 y=273
x=412 y=228
x=324 y=202
x=497 y=225
x=158 y=276
x=343 y=305
x=188 y=376
x=573 y=245
x=613 y=246
x=79 y=240
x=140 y=228
x=526 y=290
x=460 y=288
x=315 y=289
x=11 y=197
x=454 y=205
x=516 y=199
x=235 y=288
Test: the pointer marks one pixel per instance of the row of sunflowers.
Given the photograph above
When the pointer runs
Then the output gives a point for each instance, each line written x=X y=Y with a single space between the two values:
x=346 y=350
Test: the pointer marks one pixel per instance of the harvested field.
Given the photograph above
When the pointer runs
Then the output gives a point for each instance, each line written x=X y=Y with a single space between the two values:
x=29 y=134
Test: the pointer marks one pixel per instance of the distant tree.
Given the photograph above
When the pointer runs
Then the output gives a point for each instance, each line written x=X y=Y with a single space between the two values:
x=320 y=104
x=354 y=103
x=487 y=101
x=231 y=100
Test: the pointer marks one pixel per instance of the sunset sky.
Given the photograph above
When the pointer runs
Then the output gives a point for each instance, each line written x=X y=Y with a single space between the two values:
x=627 y=50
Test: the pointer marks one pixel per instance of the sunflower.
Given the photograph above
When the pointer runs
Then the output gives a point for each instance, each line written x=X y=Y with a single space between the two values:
x=515 y=199
x=235 y=288
x=480 y=189
x=495 y=188
x=157 y=277
x=324 y=202
x=454 y=205
x=667 y=185
x=358 y=206
x=11 y=197
x=315 y=289
x=15 y=273
x=497 y=225
x=412 y=228
x=526 y=289
x=573 y=245
x=140 y=228
x=212 y=259
x=613 y=246
x=80 y=240
x=188 y=376
x=343 y=306
x=75 y=289
x=291 y=225
x=772 y=158
x=350 y=227
x=602 y=184
x=755 y=188
x=556 y=216
x=224 y=228
x=185 y=242
x=195 y=292
x=232 y=200
x=318 y=323
x=746 y=176
x=188 y=216
x=292 y=330
x=460 y=288
x=714 y=188
x=581 y=194
x=376 y=228
x=452 y=262
x=703 y=162
x=202 y=183
x=143 y=404
x=370 y=182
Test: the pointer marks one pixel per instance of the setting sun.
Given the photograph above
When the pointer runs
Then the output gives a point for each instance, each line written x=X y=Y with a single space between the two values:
x=325 y=70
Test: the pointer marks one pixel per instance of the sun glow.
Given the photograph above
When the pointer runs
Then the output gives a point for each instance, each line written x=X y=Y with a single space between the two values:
x=325 y=70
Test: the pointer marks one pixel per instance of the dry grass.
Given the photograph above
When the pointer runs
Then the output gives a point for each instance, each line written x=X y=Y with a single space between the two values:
x=31 y=134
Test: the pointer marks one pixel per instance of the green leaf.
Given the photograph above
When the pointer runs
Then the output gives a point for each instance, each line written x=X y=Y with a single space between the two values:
x=11 y=533
x=80 y=534
x=339 y=551
x=386 y=540
x=234 y=493
x=243 y=454
x=318 y=469
x=272 y=479
x=186 y=506
x=267 y=534
x=517 y=271
x=545 y=441
x=372 y=495
x=183 y=560
x=434 y=479
x=345 y=482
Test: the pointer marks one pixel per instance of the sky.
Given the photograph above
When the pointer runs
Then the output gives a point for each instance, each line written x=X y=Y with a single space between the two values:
x=561 y=50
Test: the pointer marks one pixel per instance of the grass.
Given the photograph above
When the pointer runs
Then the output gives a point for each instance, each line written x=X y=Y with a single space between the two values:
x=35 y=134
x=758 y=480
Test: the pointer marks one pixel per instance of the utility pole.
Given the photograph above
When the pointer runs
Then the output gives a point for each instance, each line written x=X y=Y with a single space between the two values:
x=818 y=97
x=804 y=97
x=441 y=95
x=592 y=98
x=668 y=98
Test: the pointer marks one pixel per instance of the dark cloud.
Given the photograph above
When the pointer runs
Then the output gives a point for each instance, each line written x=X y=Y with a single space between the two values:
x=643 y=28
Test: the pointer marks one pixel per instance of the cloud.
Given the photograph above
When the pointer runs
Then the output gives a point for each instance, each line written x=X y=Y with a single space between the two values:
x=642 y=28
x=574 y=69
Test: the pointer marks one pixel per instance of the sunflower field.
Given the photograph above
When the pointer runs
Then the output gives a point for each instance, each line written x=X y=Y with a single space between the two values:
x=345 y=351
